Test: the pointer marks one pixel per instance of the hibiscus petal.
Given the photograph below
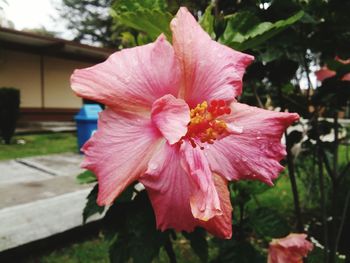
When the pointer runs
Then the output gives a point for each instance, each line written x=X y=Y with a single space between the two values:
x=132 y=78
x=209 y=70
x=171 y=116
x=255 y=153
x=204 y=199
x=324 y=73
x=221 y=226
x=169 y=190
x=346 y=77
x=290 y=249
x=119 y=152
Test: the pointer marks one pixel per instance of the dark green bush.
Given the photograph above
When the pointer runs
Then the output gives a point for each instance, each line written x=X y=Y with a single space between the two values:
x=9 y=112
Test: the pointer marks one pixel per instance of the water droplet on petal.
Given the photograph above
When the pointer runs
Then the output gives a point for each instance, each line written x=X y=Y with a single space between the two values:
x=258 y=135
x=153 y=166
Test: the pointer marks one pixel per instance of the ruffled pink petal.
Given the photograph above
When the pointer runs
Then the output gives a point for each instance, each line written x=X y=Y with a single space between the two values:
x=171 y=116
x=324 y=73
x=204 y=198
x=209 y=70
x=118 y=153
x=290 y=249
x=169 y=189
x=255 y=153
x=132 y=78
x=221 y=226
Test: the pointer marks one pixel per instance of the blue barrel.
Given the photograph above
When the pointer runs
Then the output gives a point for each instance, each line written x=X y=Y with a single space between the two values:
x=86 y=120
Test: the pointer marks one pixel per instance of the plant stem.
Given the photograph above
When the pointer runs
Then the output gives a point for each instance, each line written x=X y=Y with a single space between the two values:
x=341 y=226
x=169 y=250
x=261 y=105
x=333 y=230
x=336 y=146
x=322 y=202
x=291 y=171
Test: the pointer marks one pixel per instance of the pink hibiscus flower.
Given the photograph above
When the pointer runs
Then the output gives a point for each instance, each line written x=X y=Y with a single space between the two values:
x=172 y=123
x=290 y=249
x=325 y=72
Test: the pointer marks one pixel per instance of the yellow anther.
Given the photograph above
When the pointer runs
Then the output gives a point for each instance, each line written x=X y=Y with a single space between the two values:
x=204 y=124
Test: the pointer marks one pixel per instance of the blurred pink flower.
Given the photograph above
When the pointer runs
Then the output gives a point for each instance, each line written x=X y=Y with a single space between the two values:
x=290 y=249
x=172 y=123
x=325 y=72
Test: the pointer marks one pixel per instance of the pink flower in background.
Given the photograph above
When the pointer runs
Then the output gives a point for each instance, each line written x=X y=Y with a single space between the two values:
x=325 y=72
x=172 y=123
x=290 y=249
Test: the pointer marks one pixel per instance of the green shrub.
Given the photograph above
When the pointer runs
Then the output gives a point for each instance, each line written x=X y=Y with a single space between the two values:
x=9 y=112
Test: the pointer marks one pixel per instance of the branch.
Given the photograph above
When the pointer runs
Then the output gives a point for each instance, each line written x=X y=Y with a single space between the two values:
x=342 y=222
x=168 y=246
x=292 y=178
x=322 y=202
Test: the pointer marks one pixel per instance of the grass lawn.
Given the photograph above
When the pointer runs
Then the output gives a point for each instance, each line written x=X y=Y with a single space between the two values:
x=96 y=251
x=39 y=144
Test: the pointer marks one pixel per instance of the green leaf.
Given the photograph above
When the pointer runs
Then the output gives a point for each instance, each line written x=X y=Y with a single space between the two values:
x=152 y=22
x=268 y=223
x=238 y=251
x=128 y=39
x=119 y=251
x=126 y=195
x=91 y=206
x=252 y=187
x=244 y=31
x=86 y=177
x=198 y=243
x=135 y=230
x=317 y=255
x=148 y=16
x=133 y=5
x=207 y=21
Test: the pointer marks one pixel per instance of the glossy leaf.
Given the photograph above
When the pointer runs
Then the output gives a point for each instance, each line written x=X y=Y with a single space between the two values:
x=238 y=251
x=267 y=223
x=198 y=243
x=151 y=22
x=244 y=31
x=207 y=21
x=132 y=226
x=132 y=5
x=146 y=16
x=91 y=207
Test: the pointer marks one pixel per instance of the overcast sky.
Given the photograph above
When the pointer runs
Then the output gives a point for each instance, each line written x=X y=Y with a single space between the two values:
x=35 y=14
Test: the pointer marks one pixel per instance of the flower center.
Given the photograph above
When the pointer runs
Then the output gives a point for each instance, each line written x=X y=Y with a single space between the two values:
x=205 y=125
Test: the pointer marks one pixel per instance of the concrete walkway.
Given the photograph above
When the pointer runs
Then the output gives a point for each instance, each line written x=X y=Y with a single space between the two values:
x=45 y=126
x=39 y=197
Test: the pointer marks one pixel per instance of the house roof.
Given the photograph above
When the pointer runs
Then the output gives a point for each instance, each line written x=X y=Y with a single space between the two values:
x=43 y=45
